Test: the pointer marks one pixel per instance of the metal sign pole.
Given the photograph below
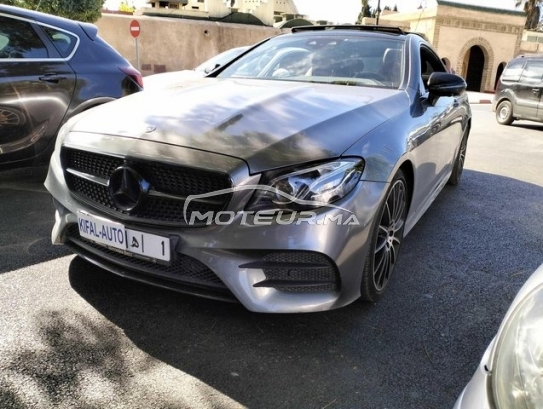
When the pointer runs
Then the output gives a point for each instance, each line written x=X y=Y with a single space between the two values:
x=137 y=54
x=135 y=30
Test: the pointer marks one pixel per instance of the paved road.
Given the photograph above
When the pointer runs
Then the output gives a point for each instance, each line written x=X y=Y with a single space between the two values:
x=72 y=335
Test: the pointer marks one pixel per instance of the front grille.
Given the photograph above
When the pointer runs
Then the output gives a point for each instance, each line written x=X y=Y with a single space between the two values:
x=91 y=163
x=183 y=268
x=298 y=271
x=180 y=181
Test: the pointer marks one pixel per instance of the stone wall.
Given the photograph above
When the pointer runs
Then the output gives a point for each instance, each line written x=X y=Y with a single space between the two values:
x=170 y=44
x=419 y=21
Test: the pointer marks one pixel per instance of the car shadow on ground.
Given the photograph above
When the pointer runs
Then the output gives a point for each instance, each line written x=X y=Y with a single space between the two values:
x=28 y=216
x=459 y=269
x=528 y=125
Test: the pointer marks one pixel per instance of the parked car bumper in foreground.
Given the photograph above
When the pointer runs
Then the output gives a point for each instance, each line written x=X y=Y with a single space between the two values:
x=509 y=375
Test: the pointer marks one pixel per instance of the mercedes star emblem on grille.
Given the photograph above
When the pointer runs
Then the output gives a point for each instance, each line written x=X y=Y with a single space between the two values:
x=127 y=188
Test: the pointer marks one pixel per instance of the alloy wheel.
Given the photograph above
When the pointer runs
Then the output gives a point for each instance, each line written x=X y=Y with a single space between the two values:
x=389 y=235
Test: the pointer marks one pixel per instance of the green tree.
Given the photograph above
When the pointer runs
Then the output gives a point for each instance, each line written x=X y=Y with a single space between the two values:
x=364 y=12
x=81 y=10
x=532 y=10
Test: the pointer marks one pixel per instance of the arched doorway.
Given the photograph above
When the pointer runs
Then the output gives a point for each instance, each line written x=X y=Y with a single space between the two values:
x=476 y=64
x=499 y=72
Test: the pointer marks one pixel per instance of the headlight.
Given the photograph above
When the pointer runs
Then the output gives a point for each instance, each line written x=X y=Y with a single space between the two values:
x=517 y=376
x=308 y=188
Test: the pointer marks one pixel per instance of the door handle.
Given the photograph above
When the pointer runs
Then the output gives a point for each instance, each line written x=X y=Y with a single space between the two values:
x=55 y=78
x=536 y=90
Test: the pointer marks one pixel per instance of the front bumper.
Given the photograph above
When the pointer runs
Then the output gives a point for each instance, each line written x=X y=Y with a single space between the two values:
x=477 y=394
x=229 y=261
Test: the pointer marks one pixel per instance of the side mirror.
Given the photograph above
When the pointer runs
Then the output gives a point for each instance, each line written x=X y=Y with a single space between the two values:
x=443 y=84
x=209 y=70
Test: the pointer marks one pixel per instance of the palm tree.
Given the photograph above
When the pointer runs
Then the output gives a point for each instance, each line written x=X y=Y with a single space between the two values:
x=531 y=8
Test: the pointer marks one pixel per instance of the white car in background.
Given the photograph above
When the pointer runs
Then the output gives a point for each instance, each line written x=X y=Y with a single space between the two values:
x=510 y=375
x=168 y=79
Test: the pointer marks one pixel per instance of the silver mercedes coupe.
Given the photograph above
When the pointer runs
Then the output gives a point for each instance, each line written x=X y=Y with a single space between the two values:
x=286 y=179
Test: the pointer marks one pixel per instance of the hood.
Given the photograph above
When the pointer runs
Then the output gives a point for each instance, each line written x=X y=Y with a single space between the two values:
x=169 y=79
x=266 y=123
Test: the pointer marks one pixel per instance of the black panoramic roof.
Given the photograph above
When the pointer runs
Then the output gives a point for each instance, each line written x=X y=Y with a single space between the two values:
x=355 y=27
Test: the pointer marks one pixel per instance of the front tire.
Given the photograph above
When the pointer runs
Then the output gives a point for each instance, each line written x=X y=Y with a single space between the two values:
x=386 y=238
x=456 y=174
x=504 y=113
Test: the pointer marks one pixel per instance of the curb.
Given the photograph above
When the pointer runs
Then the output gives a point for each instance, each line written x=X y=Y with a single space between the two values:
x=481 y=101
x=479 y=97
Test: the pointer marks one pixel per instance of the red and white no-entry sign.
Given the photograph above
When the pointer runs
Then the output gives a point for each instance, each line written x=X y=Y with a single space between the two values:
x=135 y=28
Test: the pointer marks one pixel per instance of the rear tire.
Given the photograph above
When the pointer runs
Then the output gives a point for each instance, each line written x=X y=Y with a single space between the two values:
x=504 y=113
x=386 y=238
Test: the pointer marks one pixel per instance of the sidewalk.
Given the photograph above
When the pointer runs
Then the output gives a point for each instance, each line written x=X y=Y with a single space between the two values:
x=479 y=97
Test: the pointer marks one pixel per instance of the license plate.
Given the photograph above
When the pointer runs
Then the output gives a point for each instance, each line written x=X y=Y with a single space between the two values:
x=116 y=235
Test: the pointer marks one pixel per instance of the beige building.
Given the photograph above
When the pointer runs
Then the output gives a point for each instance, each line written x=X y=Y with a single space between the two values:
x=266 y=12
x=476 y=41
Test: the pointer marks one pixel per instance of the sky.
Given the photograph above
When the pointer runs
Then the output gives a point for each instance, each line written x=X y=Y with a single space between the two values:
x=346 y=11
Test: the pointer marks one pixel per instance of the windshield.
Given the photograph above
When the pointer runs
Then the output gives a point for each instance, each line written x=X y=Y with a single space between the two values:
x=220 y=59
x=333 y=59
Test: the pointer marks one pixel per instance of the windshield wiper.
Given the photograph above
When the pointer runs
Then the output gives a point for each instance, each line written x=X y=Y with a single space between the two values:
x=345 y=82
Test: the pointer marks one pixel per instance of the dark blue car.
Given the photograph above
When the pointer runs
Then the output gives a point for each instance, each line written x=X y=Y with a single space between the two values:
x=51 y=69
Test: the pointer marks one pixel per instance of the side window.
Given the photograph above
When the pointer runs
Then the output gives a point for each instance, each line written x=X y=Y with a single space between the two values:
x=513 y=70
x=533 y=72
x=429 y=63
x=19 y=40
x=63 y=42
x=4 y=40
